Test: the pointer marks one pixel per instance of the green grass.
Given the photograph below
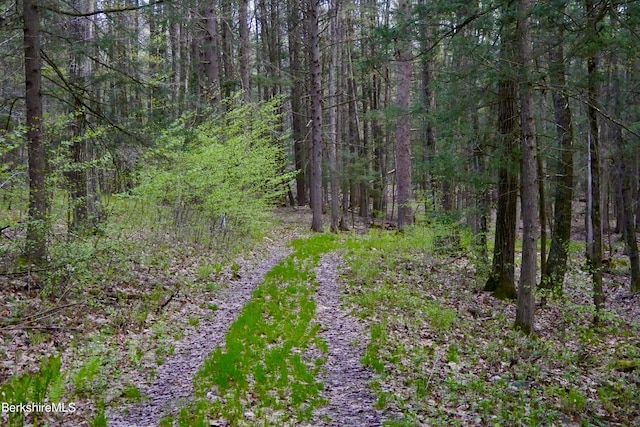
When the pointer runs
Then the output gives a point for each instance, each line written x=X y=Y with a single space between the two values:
x=262 y=369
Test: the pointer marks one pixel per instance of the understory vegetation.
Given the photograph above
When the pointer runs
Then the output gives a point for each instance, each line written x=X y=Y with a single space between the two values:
x=440 y=350
x=445 y=353
x=107 y=302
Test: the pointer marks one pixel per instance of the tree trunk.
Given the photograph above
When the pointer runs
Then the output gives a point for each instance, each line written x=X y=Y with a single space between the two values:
x=553 y=276
x=297 y=113
x=529 y=194
x=595 y=255
x=244 y=50
x=212 y=46
x=623 y=162
x=501 y=280
x=84 y=196
x=37 y=227
x=403 y=140
x=333 y=116
x=316 y=114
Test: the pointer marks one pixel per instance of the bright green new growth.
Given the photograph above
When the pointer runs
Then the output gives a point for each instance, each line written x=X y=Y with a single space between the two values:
x=45 y=385
x=263 y=367
x=230 y=165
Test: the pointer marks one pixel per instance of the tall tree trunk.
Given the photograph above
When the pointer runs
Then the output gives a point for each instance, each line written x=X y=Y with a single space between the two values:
x=501 y=280
x=333 y=115
x=316 y=114
x=297 y=113
x=596 y=252
x=529 y=193
x=403 y=140
x=428 y=130
x=37 y=227
x=553 y=276
x=84 y=197
x=227 y=76
x=244 y=49
x=624 y=165
x=482 y=201
x=212 y=64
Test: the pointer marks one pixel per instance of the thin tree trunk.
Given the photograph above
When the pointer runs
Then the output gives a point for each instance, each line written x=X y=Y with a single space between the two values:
x=212 y=65
x=83 y=191
x=333 y=116
x=529 y=195
x=37 y=227
x=594 y=157
x=297 y=114
x=316 y=114
x=623 y=161
x=553 y=276
x=244 y=50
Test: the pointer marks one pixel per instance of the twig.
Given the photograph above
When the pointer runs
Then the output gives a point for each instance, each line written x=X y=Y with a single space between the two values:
x=167 y=301
x=52 y=328
x=433 y=368
x=40 y=315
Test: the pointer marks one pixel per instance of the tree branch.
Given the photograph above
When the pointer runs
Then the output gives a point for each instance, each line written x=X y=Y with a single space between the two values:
x=101 y=11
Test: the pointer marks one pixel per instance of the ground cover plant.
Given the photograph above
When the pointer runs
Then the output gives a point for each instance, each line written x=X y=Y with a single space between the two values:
x=129 y=287
x=445 y=353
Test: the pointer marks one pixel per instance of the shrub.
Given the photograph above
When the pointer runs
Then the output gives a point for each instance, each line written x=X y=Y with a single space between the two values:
x=229 y=169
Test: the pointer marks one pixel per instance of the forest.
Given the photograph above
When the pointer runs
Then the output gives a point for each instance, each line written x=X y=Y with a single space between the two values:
x=319 y=213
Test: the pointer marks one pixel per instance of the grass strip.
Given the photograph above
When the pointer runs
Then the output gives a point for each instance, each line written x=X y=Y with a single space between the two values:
x=265 y=374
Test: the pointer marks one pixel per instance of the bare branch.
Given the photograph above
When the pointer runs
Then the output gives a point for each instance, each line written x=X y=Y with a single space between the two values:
x=101 y=11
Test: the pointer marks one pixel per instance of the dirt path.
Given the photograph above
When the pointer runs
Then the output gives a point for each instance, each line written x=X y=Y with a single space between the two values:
x=173 y=383
x=345 y=379
x=351 y=403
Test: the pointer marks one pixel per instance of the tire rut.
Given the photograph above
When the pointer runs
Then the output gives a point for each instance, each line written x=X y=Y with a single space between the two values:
x=351 y=403
x=173 y=384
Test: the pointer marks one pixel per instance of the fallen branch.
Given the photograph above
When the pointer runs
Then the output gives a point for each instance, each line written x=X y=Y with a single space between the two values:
x=40 y=315
x=32 y=327
x=163 y=305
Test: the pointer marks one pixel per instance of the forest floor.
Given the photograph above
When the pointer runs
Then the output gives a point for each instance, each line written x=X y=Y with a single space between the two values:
x=358 y=329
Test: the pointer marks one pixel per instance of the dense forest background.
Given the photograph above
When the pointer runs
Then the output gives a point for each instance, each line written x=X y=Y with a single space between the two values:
x=513 y=124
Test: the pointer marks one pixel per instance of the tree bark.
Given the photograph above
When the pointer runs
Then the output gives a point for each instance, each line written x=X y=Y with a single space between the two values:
x=37 y=227
x=212 y=64
x=333 y=116
x=529 y=195
x=501 y=280
x=596 y=252
x=403 y=140
x=244 y=50
x=623 y=162
x=553 y=276
x=316 y=114
x=84 y=196
x=297 y=113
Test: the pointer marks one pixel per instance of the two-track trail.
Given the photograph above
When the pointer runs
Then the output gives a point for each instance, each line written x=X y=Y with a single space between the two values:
x=350 y=403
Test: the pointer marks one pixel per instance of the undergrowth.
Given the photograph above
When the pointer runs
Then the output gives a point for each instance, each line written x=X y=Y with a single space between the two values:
x=113 y=288
x=444 y=353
